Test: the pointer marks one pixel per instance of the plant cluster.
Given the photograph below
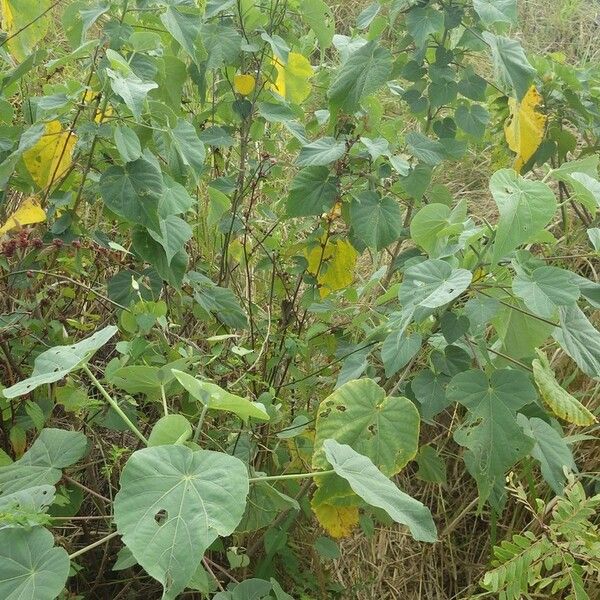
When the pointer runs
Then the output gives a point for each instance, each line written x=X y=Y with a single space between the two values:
x=239 y=290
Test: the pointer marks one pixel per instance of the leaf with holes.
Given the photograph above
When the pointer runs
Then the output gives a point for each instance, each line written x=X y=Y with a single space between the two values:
x=490 y=432
x=173 y=504
x=31 y=568
x=53 y=364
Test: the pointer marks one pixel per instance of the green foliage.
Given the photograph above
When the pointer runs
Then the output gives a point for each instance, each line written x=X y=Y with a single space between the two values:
x=272 y=232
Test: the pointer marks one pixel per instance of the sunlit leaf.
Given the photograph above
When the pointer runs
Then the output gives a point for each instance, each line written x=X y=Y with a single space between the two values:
x=292 y=81
x=333 y=265
x=51 y=156
x=28 y=213
x=525 y=127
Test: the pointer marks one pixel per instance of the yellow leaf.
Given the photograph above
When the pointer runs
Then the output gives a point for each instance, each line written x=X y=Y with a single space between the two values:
x=28 y=213
x=333 y=266
x=524 y=129
x=51 y=156
x=292 y=79
x=99 y=115
x=337 y=521
x=244 y=84
x=26 y=21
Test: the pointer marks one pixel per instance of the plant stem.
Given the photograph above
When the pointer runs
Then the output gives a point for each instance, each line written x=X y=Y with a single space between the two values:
x=164 y=400
x=290 y=476
x=114 y=405
x=101 y=541
x=200 y=423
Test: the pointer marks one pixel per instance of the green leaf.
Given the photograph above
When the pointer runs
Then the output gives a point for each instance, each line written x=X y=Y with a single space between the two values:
x=133 y=191
x=184 y=27
x=511 y=64
x=560 y=402
x=52 y=451
x=170 y=429
x=429 y=151
x=490 y=432
x=216 y=398
x=550 y=450
x=432 y=283
x=423 y=22
x=496 y=11
x=363 y=73
x=131 y=89
x=581 y=176
x=375 y=220
x=377 y=490
x=431 y=466
x=31 y=568
x=398 y=349
x=265 y=503
x=174 y=233
x=434 y=224
x=472 y=119
x=318 y=17
x=429 y=389
x=189 y=147
x=219 y=301
x=545 y=289
x=579 y=339
x=222 y=44
x=312 y=192
x=57 y=362
x=128 y=143
x=525 y=207
x=173 y=504
x=154 y=254
x=386 y=429
x=321 y=152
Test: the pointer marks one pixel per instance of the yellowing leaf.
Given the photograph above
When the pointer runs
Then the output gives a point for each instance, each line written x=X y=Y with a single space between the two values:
x=24 y=17
x=561 y=403
x=333 y=266
x=51 y=156
x=524 y=129
x=300 y=448
x=338 y=521
x=244 y=84
x=292 y=79
x=28 y=213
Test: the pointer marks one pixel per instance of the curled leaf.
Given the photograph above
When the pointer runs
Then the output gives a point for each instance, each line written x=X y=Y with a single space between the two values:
x=524 y=129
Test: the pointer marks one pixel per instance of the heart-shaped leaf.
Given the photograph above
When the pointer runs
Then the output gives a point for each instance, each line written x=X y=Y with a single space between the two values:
x=173 y=504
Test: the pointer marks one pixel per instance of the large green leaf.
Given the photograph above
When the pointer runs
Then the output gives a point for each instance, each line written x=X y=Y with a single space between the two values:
x=26 y=508
x=581 y=175
x=376 y=489
x=265 y=503
x=579 y=339
x=173 y=504
x=545 y=289
x=432 y=283
x=550 y=450
x=216 y=398
x=321 y=152
x=375 y=220
x=31 y=568
x=429 y=389
x=434 y=224
x=57 y=362
x=490 y=432
x=170 y=429
x=397 y=350
x=174 y=233
x=384 y=428
x=496 y=11
x=525 y=207
x=512 y=67
x=189 y=147
x=560 y=402
x=312 y=192
x=53 y=450
x=423 y=22
x=318 y=17
x=217 y=300
x=131 y=89
x=133 y=191
x=365 y=70
x=184 y=27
